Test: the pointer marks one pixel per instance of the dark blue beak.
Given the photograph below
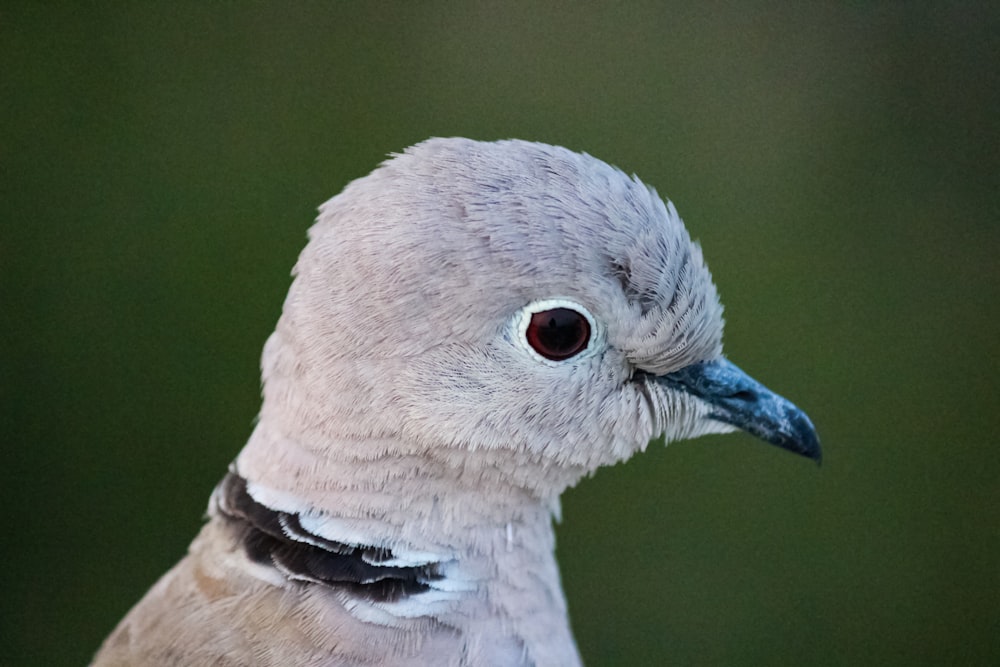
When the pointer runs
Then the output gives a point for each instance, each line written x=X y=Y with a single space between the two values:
x=738 y=399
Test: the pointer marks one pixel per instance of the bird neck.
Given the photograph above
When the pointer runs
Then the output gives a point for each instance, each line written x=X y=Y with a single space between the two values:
x=485 y=534
x=437 y=500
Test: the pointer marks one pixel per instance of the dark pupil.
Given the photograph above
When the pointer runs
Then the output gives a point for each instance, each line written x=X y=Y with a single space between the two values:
x=558 y=333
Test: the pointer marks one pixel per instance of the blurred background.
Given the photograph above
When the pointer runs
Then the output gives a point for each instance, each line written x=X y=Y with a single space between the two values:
x=840 y=163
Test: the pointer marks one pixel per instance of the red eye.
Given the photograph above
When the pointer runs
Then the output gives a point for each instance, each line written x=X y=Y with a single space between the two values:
x=558 y=333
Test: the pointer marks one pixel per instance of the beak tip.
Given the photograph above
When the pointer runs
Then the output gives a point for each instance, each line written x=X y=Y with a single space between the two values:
x=804 y=439
x=814 y=452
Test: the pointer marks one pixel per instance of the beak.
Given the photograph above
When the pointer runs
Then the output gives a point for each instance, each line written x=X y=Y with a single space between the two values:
x=736 y=398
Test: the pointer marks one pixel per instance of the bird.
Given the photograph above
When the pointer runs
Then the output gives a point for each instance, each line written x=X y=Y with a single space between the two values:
x=471 y=329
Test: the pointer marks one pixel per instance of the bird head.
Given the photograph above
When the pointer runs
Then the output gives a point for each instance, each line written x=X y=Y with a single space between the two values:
x=522 y=301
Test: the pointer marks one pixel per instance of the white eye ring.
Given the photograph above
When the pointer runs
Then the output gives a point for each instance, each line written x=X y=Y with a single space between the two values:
x=522 y=322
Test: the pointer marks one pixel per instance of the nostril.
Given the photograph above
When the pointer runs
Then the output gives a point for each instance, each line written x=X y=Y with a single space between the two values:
x=744 y=395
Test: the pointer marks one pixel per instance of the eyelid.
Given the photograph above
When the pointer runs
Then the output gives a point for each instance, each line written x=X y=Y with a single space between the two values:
x=522 y=319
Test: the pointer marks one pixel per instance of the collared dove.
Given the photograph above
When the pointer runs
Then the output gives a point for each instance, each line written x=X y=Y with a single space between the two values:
x=472 y=328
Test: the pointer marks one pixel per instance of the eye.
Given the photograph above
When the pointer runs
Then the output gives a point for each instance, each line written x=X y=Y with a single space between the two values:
x=556 y=329
x=558 y=334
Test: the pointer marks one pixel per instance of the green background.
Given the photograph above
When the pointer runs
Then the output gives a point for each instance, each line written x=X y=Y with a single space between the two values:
x=840 y=163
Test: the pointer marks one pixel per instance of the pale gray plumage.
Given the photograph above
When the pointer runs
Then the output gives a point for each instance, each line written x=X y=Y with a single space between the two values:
x=408 y=424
